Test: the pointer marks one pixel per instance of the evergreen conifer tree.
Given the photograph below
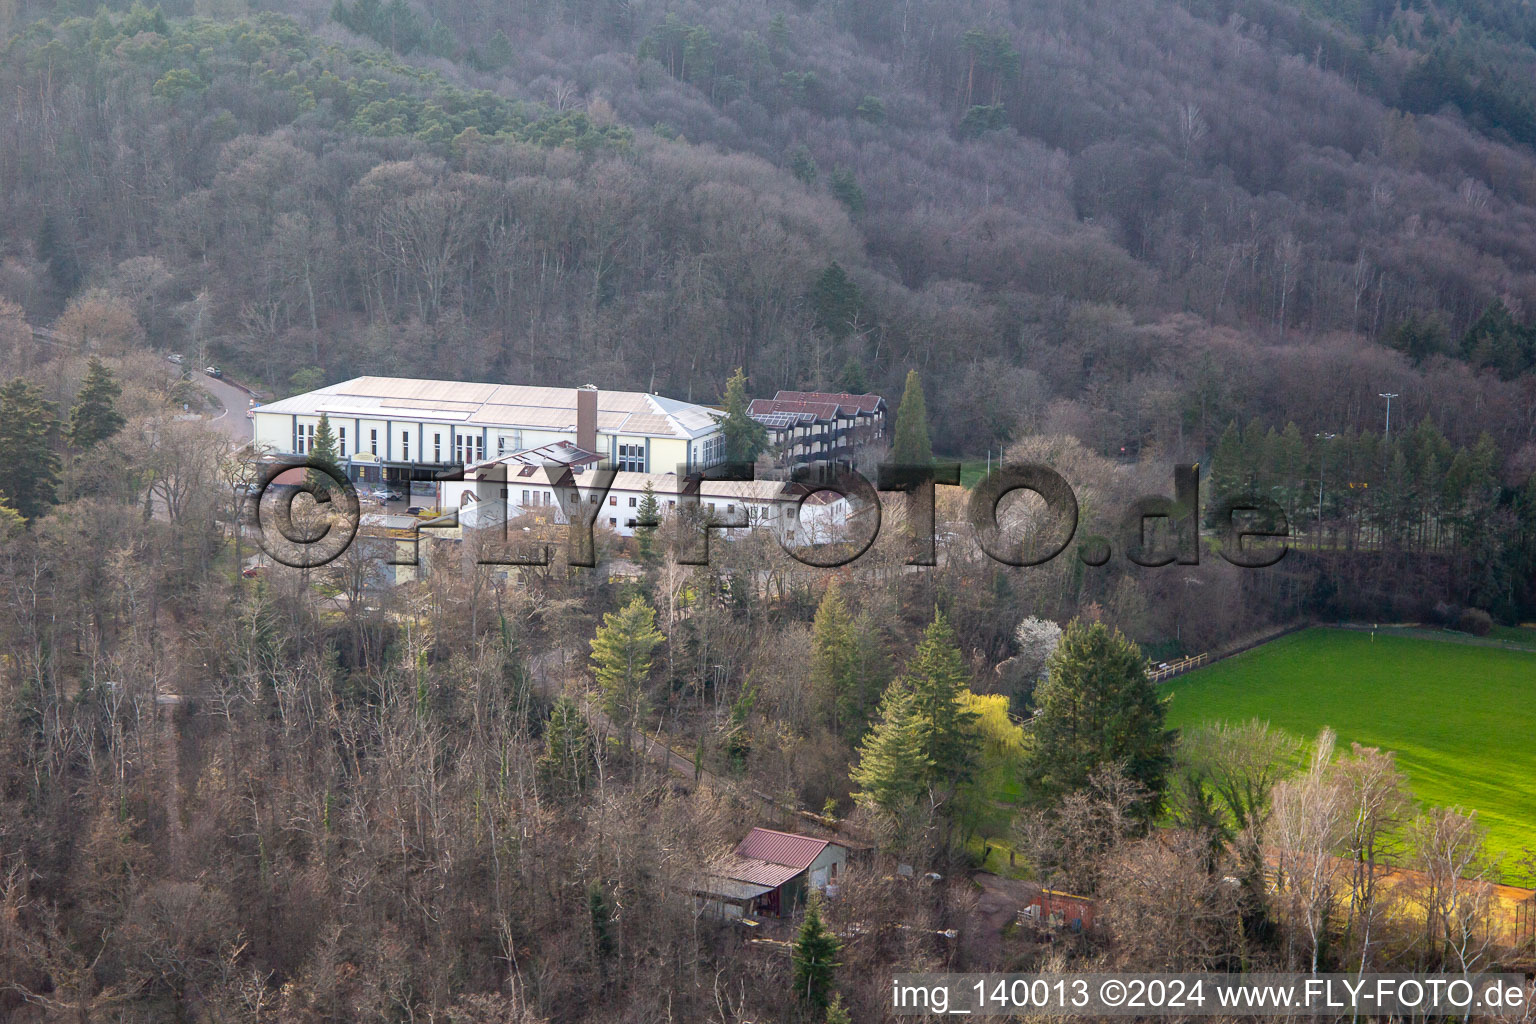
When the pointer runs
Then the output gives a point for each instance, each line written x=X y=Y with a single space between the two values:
x=324 y=452
x=94 y=417
x=621 y=660
x=647 y=522
x=1097 y=707
x=893 y=770
x=745 y=438
x=29 y=467
x=910 y=445
x=834 y=672
x=815 y=957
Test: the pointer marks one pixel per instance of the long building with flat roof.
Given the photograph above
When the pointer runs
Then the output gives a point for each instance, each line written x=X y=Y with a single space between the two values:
x=386 y=425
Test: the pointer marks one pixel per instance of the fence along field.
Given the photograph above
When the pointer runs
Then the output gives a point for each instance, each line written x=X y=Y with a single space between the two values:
x=1460 y=717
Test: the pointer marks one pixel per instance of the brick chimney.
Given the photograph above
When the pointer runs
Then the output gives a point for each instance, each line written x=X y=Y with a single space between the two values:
x=586 y=418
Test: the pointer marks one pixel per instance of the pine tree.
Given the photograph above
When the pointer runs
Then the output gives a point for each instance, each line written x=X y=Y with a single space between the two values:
x=1096 y=707
x=498 y=52
x=802 y=165
x=648 y=520
x=29 y=467
x=872 y=672
x=835 y=301
x=847 y=189
x=834 y=673
x=815 y=957
x=745 y=438
x=892 y=771
x=936 y=678
x=910 y=446
x=601 y=916
x=95 y=417
x=621 y=660
x=567 y=746
x=1227 y=469
x=837 y=1013
x=12 y=523
x=852 y=380
x=58 y=253
x=323 y=451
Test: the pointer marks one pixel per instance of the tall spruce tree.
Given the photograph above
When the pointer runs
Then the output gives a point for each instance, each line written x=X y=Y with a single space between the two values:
x=621 y=660
x=1097 y=707
x=29 y=467
x=892 y=771
x=567 y=746
x=745 y=438
x=324 y=452
x=94 y=417
x=872 y=671
x=815 y=957
x=834 y=671
x=648 y=521
x=835 y=301
x=936 y=678
x=910 y=445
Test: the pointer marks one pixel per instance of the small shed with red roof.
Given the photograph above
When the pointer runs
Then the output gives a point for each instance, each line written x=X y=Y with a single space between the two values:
x=771 y=872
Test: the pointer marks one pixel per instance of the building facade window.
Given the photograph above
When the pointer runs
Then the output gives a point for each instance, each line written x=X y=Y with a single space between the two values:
x=631 y=458
x=341 y=438
x=632 y=502
x=714 y=450
x=437 y=447
x=373 y=442
x=405 y=446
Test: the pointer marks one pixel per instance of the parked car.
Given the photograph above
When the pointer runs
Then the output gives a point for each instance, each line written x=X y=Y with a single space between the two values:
x=214 y=372
x=176 y=358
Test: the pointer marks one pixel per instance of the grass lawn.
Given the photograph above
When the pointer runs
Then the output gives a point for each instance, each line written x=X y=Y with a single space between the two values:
x=1461 y=718
x=971 y=469
x=1514 y=635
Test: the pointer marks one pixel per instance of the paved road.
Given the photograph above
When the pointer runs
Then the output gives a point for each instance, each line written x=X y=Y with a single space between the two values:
x=232 y=420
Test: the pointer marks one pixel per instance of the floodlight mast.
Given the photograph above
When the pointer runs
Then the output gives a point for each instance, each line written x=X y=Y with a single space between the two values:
x=1321 y=456
x=1388 y=395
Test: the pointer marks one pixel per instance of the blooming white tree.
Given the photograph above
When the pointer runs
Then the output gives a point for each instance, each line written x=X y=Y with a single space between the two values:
x=1037 y=639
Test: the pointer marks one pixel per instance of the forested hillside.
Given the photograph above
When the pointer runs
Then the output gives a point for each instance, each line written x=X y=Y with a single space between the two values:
x=1133 y=221
x=1108 y=236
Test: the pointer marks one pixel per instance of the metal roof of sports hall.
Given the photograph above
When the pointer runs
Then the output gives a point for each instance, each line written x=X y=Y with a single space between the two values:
x=498 y=405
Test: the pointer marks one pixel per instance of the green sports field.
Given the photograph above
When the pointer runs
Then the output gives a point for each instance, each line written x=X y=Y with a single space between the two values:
x=1461 y=718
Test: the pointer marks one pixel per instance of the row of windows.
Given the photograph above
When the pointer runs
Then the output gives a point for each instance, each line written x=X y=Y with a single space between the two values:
x=470 y=448
x=536 y=499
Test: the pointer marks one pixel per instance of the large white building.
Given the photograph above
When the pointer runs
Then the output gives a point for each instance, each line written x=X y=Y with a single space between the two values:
x=489 y=499
x=386 y=425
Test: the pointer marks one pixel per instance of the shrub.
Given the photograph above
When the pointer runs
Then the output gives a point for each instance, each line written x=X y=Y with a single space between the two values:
x=1475 y=621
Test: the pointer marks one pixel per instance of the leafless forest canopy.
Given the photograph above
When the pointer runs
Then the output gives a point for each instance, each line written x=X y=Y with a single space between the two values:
x=1109 y=236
